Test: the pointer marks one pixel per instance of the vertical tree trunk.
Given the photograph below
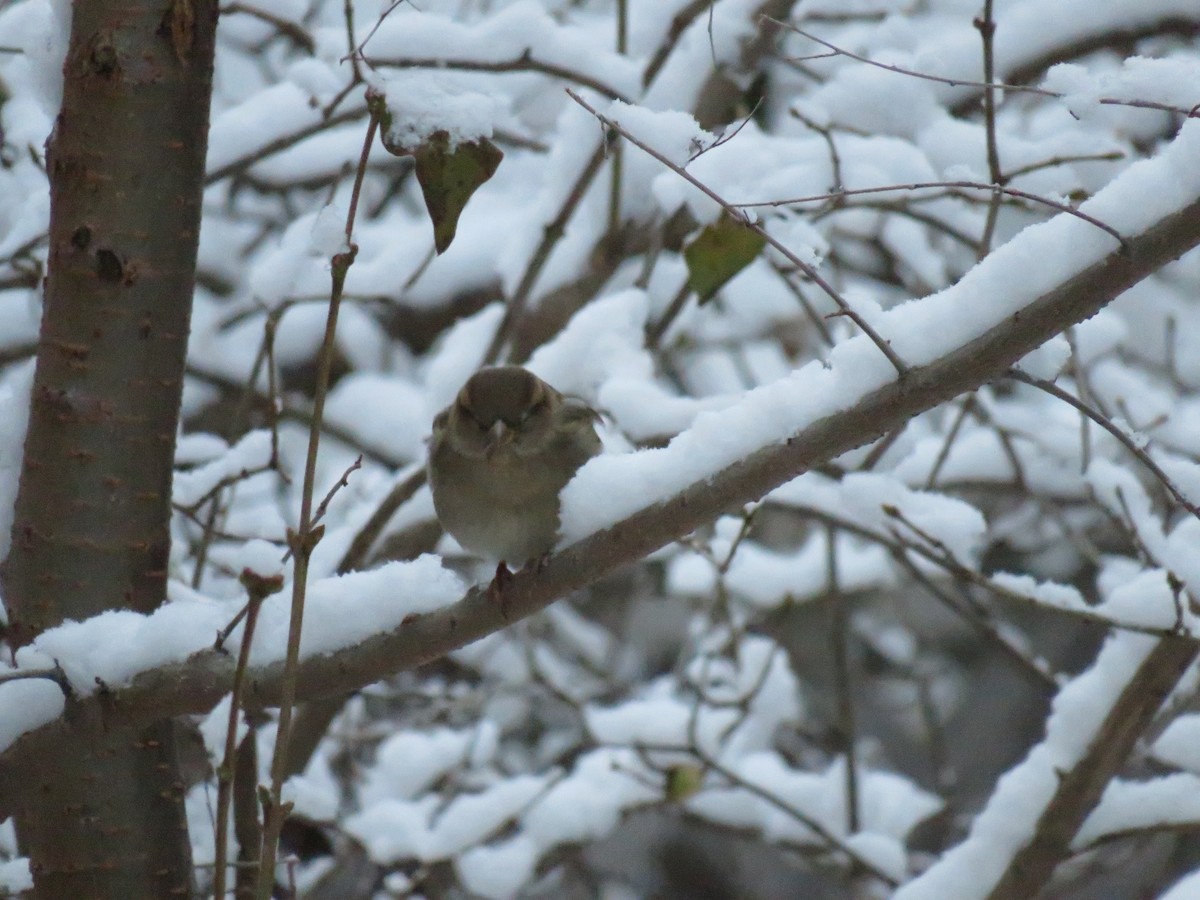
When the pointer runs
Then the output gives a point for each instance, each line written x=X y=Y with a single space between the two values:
x=102 y=816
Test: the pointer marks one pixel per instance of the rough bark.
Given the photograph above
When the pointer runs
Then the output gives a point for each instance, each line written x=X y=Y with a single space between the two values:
x=100 y=811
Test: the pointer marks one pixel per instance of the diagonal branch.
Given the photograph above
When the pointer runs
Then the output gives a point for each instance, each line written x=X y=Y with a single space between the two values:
x=196 y=685
x=741 y=217
x=1080 y=788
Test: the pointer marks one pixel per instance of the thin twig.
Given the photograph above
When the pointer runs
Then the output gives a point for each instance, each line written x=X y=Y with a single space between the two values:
x=836 y=182
x=304 y=538
x=934 y=551
x=1191 y=113
x=617 y=170
x=655 y=331
x=980 y=619
x=1075 y=367
x=358 y=51
x=227 y=481
x=207 y=536
x=344 y=481
x=727 y=136
x=258 y=588
x=1111 y=427
x=824 y=834
x=55 y=674
x=842 y=678
x=740 y=216
x=986 y=25
x=356 y=554
x=355 y=51
x=270 y=329
x=293 y=32
x=906 y=209
x=1110 y=156
x=881 y=447
x=304 y=417
x=552 y=232
x=679 y=25
x=282 y=143
x=925 y=185
x=815 y=319
x=944 y=453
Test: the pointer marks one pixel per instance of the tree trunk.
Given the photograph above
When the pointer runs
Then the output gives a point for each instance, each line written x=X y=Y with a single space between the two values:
x=102 y=815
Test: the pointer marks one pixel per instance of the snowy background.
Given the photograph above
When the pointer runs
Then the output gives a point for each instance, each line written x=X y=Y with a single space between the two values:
x=863 y=684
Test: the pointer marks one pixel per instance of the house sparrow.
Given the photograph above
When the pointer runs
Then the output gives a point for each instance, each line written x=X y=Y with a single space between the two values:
x=500 y=455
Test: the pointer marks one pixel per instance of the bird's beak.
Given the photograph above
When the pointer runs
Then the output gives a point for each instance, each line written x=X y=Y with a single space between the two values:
x=498 y=435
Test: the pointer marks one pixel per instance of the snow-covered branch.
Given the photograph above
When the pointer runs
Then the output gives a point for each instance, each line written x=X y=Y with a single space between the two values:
x=626 y=528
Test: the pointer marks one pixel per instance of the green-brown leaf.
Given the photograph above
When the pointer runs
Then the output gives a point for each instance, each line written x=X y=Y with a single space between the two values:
x=448 y=178
x=720 y=251
x=683 y=782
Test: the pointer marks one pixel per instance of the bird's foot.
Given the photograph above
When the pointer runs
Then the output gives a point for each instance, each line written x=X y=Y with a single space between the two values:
x=496 y=589
x=535 y=565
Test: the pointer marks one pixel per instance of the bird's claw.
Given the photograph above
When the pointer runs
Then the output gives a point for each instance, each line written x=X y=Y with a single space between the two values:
x=497 y=588
x=535 y=565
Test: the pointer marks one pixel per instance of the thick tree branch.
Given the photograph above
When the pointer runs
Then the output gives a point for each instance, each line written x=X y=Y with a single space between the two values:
x=197 y=684
x=1080 y=789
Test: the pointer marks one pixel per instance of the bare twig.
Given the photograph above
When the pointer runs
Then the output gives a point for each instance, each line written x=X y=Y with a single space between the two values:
x=656 y=330
x=1108 y=425
x=293 y=32
x=1051 y=162
x=344 y=481
x=302 y=416
x=282 y=143
x=728 y=135
x=944 y=453
x=55 y=674
x=208 y=534
x=817 y=321
x=551 y=233
x=305 y=537
x=356 y=554
x=1190 y=113
x=924 y=185
x=986 y=25
x=617 y=170
x=679 y=25
x=824 y=834
x=355 y=52
x=740 y=216
x=842 y=679
x=258 y=588
x=984 y=624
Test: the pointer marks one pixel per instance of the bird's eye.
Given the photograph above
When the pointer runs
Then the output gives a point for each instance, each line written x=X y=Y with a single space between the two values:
x=469 y=416
x=534 y=410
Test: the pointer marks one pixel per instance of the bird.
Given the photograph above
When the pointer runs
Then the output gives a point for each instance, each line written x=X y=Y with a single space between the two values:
x=499 y=456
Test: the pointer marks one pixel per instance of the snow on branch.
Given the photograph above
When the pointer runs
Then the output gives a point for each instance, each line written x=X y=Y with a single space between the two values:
x=622 y=507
